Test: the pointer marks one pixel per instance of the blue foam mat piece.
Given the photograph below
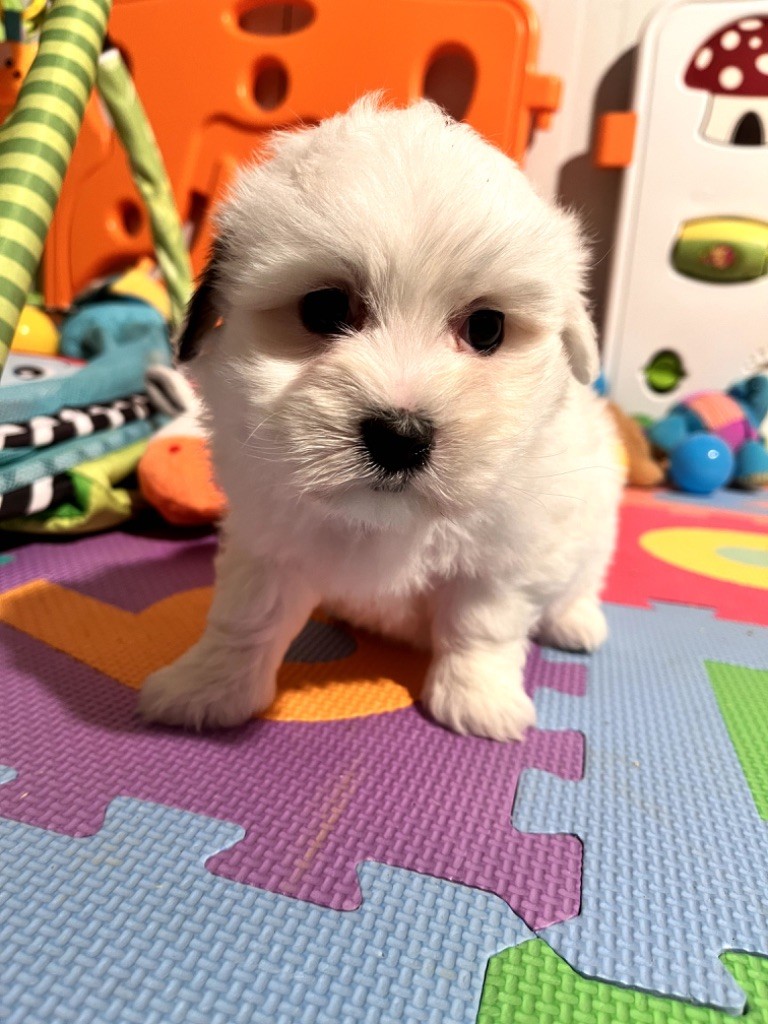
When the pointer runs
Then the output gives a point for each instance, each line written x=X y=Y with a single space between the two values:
x=675 y=854
x=128 y=926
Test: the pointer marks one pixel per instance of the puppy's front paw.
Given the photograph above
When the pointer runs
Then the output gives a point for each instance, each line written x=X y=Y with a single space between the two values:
x=478 y=696
x=580 y=626
x=204 y=691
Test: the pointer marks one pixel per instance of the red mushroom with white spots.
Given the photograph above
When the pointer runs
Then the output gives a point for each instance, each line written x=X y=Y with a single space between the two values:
x=732 y=66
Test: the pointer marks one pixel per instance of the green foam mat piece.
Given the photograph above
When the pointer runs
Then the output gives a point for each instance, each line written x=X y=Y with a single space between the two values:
x=742 y=695
x=531 y=984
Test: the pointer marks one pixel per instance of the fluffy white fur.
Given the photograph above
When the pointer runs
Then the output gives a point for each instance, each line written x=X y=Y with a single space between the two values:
x=508 y=530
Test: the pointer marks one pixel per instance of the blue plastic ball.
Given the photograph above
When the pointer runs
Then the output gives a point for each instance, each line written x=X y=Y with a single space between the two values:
x=701 y=464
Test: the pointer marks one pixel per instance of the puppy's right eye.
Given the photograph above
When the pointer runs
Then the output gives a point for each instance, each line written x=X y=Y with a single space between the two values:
x=484 y=330
x=326 y=311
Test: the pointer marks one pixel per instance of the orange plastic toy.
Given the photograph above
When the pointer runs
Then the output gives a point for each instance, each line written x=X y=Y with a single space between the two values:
x=215 y=76
x=176 y=478
x=15 y=61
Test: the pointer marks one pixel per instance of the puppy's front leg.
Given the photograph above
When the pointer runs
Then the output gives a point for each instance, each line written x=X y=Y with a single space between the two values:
x=475 y=681
x=229 y=674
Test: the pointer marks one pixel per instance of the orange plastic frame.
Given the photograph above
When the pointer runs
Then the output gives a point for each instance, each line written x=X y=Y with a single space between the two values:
x=205 y=81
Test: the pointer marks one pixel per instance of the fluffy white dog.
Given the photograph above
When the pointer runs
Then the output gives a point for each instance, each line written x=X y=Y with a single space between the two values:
x=394 y=351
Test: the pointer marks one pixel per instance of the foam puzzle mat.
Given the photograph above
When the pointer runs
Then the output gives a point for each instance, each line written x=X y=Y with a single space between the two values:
x=342 y=858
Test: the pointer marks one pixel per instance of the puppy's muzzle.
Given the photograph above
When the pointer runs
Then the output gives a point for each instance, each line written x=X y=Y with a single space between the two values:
x=396 y=441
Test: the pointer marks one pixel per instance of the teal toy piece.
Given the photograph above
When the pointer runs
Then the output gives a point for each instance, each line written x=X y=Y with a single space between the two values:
x=96 y=328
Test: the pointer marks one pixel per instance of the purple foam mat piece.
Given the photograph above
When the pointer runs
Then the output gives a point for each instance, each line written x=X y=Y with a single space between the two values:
x=315 y=798
x=125 y=570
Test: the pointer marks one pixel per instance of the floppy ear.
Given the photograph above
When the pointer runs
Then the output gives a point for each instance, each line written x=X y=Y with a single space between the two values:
x=203 y=311
x=580 y=342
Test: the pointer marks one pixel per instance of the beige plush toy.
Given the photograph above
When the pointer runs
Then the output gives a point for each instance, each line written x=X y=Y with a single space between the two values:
x=642 y=468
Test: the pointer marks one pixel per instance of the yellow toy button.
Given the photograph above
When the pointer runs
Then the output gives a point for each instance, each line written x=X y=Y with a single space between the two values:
x=36 y=333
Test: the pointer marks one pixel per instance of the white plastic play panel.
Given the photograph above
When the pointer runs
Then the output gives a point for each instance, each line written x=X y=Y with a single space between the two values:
x=701 y=152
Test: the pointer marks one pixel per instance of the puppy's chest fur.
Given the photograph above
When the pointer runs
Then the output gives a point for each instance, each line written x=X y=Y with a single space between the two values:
x=529 y=538
x=386 y=583
x=406 y=618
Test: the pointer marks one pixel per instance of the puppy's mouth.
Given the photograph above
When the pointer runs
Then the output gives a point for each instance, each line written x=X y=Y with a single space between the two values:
x=391 y=484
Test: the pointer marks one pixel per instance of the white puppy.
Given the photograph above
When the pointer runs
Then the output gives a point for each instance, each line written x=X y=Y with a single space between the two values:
x=394 y=350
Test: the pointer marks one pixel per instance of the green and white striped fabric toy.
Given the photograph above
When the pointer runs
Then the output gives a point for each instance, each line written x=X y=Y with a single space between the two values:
x=36 y=143
x=37 y=140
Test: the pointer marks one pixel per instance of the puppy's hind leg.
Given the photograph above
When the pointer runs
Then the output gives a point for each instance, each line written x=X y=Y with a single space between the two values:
x=574 y=625
x=229 y=674
x=574 y=620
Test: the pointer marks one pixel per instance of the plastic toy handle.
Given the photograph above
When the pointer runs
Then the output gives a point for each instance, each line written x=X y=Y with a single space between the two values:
x=36 y=143
x=116 y=88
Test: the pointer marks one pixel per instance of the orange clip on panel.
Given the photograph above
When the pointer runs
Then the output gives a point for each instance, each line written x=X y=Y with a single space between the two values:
x=615 y=139
x=216 y=75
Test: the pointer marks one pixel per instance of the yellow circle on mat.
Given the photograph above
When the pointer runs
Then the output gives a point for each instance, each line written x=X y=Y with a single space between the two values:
x=713 y=553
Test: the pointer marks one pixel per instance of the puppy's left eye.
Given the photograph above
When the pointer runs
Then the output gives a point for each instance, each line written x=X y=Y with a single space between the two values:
x=483 y=330
x=326 y=311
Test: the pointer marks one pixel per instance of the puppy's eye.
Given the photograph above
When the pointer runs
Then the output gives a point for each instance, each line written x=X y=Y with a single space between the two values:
x=326 y=311
x=484 y=330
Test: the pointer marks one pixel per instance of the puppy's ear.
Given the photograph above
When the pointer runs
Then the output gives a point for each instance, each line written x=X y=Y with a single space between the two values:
x=580 y=340
x=203 y=312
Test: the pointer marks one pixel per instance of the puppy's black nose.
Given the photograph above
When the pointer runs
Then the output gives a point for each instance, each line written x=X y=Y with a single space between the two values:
x=397 y=441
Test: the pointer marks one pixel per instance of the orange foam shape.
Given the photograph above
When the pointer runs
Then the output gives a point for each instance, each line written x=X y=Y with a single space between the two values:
x=176 y=478
x=128 y=646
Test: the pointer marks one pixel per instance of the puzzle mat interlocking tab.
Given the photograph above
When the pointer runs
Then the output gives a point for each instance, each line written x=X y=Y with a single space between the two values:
x=128 y=926
x=675 y=851
x=530 y=984
x=315 y=798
